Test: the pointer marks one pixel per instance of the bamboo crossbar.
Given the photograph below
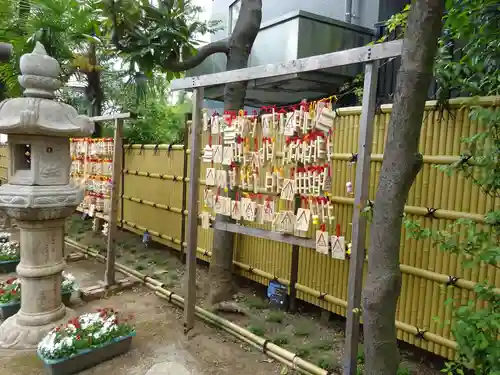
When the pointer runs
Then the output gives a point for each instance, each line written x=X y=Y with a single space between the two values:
x=485 y=101
x=160 y=146
x=155 y=205
x=155 y=175
x=427 y=159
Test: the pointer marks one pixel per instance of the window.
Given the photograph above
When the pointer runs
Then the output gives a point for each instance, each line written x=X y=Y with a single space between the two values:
x=234 y=11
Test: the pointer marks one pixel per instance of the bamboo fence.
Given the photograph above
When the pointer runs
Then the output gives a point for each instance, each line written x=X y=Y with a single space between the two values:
x=154 y=199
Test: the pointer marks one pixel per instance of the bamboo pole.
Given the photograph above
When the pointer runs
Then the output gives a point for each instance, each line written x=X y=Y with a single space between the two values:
x=156 y=205
x=419 y=211
x=156 y=175
x=486 y=101
x=162 y=146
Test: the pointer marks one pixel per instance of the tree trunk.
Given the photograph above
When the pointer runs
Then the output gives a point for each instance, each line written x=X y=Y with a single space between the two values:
x=93 y=92
x=400 y=167
x=240 y=44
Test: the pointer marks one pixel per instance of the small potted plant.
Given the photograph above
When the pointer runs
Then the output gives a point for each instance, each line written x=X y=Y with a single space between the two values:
x=68 y=286
x=85 y=342
x=9 y=253
x=10 y=294
x=10 y=297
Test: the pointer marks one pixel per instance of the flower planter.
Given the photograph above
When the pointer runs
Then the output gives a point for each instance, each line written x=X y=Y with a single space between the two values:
x=8 y=266
x=88 y=358
x=9 y=309
x=65 y=298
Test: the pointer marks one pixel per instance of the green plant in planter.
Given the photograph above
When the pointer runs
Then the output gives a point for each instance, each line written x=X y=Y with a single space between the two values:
x=68 y=284
x=88 y=331
x=10 y=290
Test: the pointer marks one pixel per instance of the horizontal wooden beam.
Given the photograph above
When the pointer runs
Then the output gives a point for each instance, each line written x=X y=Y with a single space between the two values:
x=117 y=116
x=265 y=234
x=306 y=64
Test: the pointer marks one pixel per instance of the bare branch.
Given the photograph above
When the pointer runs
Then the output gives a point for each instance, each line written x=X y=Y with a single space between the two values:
x=220 y=46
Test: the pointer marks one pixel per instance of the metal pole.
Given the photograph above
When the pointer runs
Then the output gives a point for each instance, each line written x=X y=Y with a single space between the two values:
x=348 y=11
x=184 y=189
x=109 y=275
x=192 y=221
x=359 y=221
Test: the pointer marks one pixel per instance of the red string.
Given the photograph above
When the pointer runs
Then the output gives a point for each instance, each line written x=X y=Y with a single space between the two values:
x=322 y=227
x=338 y=230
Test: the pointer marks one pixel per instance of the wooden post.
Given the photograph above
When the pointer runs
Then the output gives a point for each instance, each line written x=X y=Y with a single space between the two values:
x=122 y=186
x=192 y=222
x=294 y=267
x=184 y=190
x=109 y=275
x=355 y=282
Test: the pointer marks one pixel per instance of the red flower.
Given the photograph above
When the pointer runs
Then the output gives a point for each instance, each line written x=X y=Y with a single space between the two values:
x=11 y=280
x=13 y=291
x=78 y=337
x=2 y=292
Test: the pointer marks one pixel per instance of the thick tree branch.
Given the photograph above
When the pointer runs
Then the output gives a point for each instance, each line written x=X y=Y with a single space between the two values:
x=220 y=46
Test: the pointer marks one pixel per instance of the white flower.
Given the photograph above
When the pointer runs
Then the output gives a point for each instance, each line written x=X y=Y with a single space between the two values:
x=68 y=276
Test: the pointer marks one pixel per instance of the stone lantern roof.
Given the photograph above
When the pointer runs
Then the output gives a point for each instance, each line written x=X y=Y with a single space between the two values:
x=37 y=113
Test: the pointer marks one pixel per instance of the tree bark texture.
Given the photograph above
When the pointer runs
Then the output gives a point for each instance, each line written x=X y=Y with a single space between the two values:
x=93 y=92
x=240 y=44
x=400 y=166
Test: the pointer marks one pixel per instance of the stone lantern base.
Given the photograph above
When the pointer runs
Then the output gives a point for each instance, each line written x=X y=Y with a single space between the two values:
x=40 y=213
x=16 y=335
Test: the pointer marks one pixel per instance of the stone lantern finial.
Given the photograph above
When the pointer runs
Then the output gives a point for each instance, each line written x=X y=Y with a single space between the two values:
x=39 y=73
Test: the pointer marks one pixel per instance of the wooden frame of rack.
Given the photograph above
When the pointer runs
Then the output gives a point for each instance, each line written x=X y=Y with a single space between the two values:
x=370 y=57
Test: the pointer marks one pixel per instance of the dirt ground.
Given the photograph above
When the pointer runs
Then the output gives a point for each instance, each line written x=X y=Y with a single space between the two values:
x=303 y=333
x=160 y=344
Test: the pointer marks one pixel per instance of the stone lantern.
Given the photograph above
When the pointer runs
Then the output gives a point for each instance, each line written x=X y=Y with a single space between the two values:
x=38 y=195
